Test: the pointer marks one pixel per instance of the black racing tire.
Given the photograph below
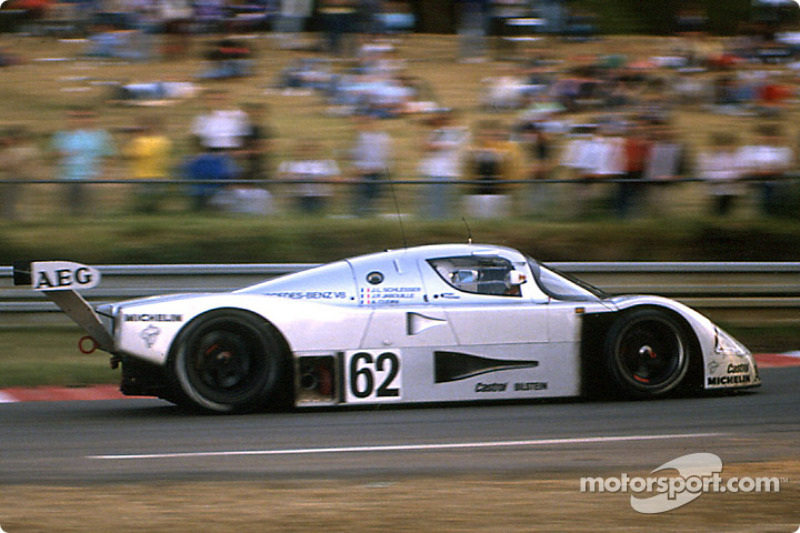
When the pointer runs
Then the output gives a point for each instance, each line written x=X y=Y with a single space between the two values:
x=647 y=353
x=227 y=361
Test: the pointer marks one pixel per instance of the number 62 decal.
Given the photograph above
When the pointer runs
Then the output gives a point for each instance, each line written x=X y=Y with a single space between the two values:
x=373 y=376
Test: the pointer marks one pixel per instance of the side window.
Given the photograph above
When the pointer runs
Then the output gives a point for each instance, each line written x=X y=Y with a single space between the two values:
x=479 y=275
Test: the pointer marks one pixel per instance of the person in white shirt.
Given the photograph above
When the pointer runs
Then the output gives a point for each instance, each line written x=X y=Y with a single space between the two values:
x=371 y=156
x=765 y=163
x=601 y=157
x=442 y=160
x=313 y=172
x=720 y=166
x=666 y=164
x=222 y=126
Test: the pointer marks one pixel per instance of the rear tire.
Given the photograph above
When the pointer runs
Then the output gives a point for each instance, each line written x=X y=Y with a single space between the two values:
x=647 y=353
x=227 y=361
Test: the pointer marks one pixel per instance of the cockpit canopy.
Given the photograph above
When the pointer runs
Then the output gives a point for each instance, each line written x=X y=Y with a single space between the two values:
x=441 y=274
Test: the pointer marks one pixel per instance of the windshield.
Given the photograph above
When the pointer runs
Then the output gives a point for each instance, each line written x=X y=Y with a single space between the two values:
x=561 y=286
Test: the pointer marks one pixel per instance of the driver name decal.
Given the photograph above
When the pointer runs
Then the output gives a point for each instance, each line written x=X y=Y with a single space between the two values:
x=388 y=295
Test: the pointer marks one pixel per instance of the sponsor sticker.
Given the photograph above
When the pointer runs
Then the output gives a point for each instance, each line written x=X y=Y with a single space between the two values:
x=62 y=276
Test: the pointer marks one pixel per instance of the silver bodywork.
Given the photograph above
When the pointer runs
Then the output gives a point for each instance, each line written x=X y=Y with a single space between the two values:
x=423 y=325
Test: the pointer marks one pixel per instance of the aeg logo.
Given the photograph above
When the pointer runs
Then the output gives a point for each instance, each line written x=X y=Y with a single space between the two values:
x=62 y=275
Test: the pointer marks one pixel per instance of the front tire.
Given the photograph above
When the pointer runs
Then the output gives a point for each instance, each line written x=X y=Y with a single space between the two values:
x=647 y=353
x=227 y=361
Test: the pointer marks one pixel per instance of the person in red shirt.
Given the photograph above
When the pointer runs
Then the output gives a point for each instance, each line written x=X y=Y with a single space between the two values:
x=636 y=146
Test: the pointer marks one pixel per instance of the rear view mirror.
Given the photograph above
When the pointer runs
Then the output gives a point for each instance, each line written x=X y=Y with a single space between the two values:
x=515 y=278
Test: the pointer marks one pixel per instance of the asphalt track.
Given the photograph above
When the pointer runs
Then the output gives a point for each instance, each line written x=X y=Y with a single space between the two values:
x=135 y=440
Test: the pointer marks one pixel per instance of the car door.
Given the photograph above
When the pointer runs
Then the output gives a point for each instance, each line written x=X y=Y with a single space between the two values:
x=489 y=300
x=393 y=360
x=502 y=323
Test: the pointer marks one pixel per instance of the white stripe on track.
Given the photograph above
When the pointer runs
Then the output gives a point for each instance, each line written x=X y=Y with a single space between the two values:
x=6 y=398
x=405 y=447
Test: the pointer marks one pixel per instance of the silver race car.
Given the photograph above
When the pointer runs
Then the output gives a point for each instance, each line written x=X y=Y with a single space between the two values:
x=425 y=324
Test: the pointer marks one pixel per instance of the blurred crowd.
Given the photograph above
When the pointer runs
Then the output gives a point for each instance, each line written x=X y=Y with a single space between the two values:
x=551 y=138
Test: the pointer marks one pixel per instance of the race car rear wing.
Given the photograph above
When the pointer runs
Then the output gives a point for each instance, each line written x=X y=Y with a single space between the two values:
x=59 y=282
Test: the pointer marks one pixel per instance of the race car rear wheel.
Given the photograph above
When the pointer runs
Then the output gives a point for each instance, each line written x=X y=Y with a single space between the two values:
x=227 y=361
x=647 y=353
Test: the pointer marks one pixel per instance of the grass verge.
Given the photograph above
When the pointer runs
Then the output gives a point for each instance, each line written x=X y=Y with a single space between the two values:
x=543 y=502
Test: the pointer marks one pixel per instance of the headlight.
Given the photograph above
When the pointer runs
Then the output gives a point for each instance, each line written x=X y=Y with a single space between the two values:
x=727 y=345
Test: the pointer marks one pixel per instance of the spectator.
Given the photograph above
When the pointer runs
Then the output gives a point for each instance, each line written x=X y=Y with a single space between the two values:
x=492 y=161
x=667 y=162
x=176 y=16
x=257 y=143
x=254 y=198
x=720 y=167
x=538 y=147
x=368 y=22
x=766 y=163
x=371 y=159
x=82 y=148
x=312 y=171
x=17 y=156
x=636 y=146
x=223 y=126
x=441 y=162
x=599 y=157
x=291 y=21
x=207 y=171
x=149 y=154
x=229 y=58
x=472 y=26
x=339 y=20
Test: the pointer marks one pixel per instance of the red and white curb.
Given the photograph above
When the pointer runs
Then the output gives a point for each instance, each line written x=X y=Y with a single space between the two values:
x=111 y=392
x=767 y=360
x=60 y=394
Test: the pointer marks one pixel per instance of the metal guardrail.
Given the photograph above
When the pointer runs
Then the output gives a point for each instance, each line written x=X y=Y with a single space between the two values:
x=751 y=292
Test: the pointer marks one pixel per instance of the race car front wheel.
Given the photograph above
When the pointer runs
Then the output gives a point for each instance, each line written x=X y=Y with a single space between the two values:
x=647 y=353
x=227 y=361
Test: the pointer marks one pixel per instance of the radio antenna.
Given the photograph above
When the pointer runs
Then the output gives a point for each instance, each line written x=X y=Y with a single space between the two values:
x=397 y=208
x=469 y=231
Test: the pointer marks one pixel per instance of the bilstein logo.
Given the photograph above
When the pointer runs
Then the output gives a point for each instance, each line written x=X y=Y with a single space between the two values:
x=697 y=473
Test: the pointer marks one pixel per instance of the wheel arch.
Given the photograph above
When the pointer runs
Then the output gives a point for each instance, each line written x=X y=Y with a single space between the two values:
x=595 y=332
x=285 y=347
x=285 y=391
